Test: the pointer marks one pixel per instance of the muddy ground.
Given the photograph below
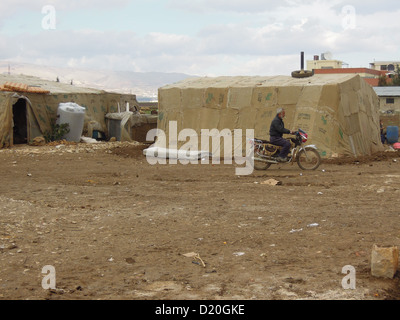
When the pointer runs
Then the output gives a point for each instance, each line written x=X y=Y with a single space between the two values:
x=115 y=227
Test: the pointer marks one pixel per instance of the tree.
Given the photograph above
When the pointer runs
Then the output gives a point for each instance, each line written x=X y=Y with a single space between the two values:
x=382 y=81
x=395 y=79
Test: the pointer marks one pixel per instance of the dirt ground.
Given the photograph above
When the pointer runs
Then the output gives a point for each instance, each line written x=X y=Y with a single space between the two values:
x=115 y=227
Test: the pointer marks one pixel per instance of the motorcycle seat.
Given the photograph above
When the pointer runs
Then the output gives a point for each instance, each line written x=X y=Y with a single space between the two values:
x=263 y=141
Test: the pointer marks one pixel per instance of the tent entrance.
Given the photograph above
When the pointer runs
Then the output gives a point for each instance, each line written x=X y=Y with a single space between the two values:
x=20 y=129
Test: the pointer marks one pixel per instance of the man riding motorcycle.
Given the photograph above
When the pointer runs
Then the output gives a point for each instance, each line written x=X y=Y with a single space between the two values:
x=276 y=132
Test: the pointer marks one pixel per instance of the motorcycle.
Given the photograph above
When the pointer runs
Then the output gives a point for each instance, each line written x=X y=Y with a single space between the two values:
x=266 y=153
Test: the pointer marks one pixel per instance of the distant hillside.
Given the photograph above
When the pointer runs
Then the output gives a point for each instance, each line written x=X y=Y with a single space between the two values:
x=143 y=85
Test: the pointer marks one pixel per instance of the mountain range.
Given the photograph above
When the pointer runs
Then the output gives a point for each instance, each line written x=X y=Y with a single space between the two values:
x=143 y=84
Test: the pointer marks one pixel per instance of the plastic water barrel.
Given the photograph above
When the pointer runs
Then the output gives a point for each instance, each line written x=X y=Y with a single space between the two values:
x=74 y=115
x=392 y=134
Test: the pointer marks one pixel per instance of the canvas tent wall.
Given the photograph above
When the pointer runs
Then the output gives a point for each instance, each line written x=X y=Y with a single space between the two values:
x=339 y=112
x=41 y=108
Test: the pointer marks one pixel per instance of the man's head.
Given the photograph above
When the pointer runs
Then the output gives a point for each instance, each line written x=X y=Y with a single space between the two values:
x=281 y=113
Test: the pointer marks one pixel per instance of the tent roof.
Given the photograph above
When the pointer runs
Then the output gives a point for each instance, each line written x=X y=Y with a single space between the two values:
x=260 y=81
x=52 y=86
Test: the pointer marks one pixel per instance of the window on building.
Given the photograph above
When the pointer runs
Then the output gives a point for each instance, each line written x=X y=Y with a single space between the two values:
x=384 y=67
x=390 y=67
x=389 y=100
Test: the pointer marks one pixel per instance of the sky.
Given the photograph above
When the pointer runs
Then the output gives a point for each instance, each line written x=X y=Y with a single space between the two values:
x=198 y=37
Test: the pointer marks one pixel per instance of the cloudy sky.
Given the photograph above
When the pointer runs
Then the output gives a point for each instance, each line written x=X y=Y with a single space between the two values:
x=198 y=37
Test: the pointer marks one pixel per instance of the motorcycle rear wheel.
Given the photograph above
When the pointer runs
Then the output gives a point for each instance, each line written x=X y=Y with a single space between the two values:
x=308 y=159
x=261 y=165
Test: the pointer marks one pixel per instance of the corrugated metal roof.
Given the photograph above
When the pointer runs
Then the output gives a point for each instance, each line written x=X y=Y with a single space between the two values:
x=387 y=91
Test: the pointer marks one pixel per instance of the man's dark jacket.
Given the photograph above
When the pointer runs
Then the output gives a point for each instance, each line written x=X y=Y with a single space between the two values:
x=278 y=128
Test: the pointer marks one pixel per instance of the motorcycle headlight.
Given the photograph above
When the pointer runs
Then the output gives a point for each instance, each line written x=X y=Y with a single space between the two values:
x=304 y=137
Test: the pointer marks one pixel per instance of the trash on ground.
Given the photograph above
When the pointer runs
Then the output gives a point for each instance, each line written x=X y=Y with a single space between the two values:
x=381 y=190
x=272 y=182
x=296 y=230
x=195 y=256
x=313 y=225
x=89 y=140
x=239 y=254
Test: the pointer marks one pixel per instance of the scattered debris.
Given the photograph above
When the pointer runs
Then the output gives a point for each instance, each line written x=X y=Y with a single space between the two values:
x=296 y=230
x=130 y=260
x=239 y=254
x=272 y=182
x=313 y=225
x=38 y=141
x=195 y=256
x=89 y=140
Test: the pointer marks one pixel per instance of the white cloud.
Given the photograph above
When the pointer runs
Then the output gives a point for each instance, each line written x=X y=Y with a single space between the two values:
x=262 y=37
x=14 y=6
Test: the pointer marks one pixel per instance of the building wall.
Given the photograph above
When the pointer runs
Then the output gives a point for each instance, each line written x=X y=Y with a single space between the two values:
x=370 y=76
x=390 y=112
x=384 y=65
x=386 y=105
x=363 y=72
x=324 y=64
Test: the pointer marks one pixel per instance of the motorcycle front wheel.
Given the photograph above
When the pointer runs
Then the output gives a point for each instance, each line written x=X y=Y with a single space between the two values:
x=308 y=159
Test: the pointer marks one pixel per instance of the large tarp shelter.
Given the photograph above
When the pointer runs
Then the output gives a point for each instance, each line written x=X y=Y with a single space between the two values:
x=29 y=107
x=340 y=113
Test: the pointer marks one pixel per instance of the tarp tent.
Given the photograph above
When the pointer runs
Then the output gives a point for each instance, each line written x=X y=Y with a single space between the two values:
x=32 y=106
x=339 y=112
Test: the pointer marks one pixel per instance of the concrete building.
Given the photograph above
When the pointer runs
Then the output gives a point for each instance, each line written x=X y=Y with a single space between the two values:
x=389 y=99
x=371 y=76
x=389 y=66
x=317 y=64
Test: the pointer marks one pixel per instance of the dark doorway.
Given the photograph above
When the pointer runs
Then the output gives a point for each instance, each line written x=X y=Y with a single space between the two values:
x=20 y=122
